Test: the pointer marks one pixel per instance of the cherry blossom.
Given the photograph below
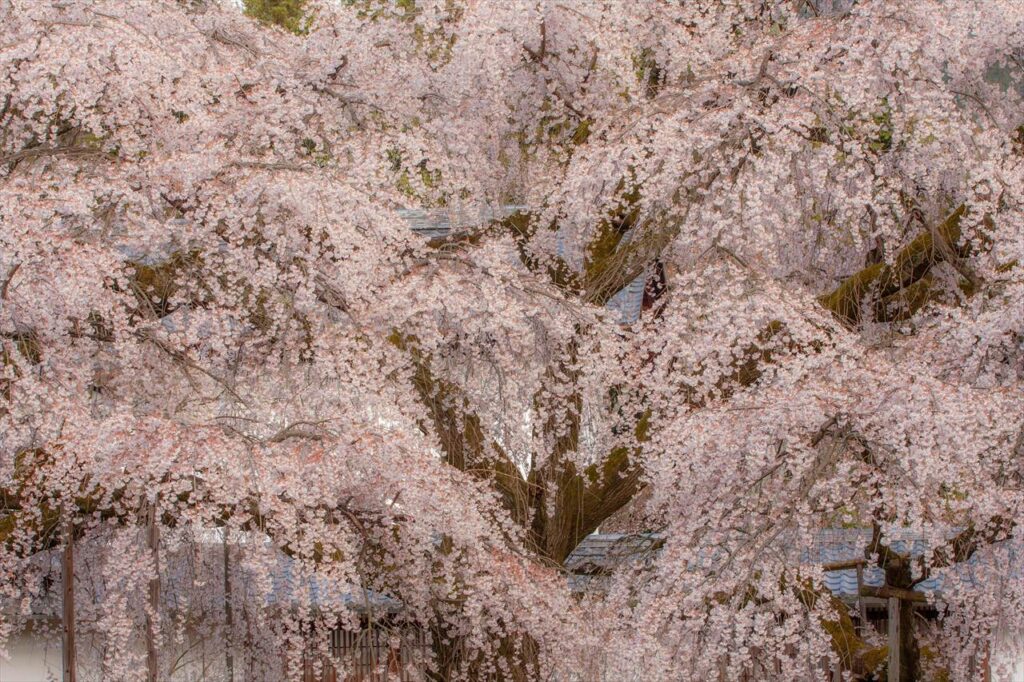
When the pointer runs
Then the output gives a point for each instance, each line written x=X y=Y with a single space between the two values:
x=218 y=330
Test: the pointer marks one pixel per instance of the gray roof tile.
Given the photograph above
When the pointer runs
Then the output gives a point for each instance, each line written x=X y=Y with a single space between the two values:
x=431 y=223
x=598 y=555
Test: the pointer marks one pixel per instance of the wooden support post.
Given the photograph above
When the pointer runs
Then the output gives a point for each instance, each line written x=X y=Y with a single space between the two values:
x=894 y=639
x=153 y=540
x=229 y=660
x=68 y=583
x=862 y=609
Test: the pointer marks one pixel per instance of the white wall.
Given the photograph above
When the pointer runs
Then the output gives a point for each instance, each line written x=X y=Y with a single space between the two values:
x=1007 y=662
x=32 y=659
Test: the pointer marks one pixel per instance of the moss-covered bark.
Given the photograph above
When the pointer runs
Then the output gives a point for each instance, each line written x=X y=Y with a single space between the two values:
x=288 y=14
x=897 y=291
x=461 y=434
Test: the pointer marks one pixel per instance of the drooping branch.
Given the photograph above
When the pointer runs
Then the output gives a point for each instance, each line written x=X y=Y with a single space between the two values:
x=892 y=293
x=26 y=518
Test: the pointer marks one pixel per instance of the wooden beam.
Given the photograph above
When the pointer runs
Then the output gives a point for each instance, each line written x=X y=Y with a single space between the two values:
x=843 y=565
x=893 y=593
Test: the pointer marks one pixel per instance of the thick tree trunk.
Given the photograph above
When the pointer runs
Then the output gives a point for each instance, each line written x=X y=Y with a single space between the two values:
x=910 y=663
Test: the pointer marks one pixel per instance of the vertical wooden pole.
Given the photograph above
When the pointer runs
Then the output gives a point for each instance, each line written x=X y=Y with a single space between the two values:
x=153 y=540
x=228 y=616
x=68 y=584
x=862 y=608
x=894 y=639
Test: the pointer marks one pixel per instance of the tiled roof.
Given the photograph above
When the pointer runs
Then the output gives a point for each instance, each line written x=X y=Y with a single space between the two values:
x=321 y=593
x=627 y=303
x=433 y=223
x=832 y=545
x=437 y=222
x=599 y=554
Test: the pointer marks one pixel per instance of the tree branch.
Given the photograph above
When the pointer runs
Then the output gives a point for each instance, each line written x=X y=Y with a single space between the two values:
x=897 y=291
x=963 y=546
x=461 y=434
